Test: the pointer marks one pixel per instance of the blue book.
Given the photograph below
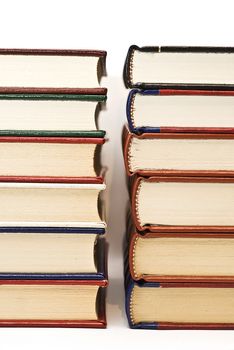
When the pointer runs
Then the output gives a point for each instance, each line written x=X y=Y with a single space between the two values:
x=180 y=111
x=54 y=253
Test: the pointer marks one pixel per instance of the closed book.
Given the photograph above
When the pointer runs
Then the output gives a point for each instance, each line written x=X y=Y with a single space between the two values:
x=67 y=203
x=193 y=111
x=179 y=154
x=52 y=303
x=43 y=156
x=183 y=204
x=39 y=68
x=51 y=111
x=181 y=257
x=179 y=67
x=54 y=255
x=188 y=305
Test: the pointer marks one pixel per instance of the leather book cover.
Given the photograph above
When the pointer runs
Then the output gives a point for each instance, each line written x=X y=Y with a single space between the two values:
x=127 y=138
x=136 y=182
x=169 y=325
x=128 y=67
x=134 y=236
x=99 y=323
x=171 y=129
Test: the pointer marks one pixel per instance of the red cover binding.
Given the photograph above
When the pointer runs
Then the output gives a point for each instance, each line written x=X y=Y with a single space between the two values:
x=127 y=137
x=180 y=229
x=53 y=179
x=99 y=323
x=179 y=278
x=36 y=139
x=53 y=52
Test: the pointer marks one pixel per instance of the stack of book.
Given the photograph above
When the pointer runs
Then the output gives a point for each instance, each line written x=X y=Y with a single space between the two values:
x=179 y=156
x=52 y=254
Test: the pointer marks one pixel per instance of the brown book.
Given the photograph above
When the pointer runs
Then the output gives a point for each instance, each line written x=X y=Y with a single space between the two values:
x=37 y=68
x=178 y=154
x=182 y=257
x=183 y=204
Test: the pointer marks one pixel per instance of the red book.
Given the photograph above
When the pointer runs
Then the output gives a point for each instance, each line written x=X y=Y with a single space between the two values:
x=50 y=157
x=52 y=303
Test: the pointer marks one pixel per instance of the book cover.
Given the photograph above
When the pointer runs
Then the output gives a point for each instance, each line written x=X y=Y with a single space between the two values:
x=163 y=325
x=140 y=129
x=100 y=322
x=129 y=67
x=136 y=184
x=100 y=253
x=129 y=138
x=181 y=241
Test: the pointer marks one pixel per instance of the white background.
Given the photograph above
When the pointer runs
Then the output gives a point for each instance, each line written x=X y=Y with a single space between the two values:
x=114 y=26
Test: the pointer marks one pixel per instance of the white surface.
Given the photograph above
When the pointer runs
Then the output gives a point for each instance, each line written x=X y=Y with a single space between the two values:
x=114 y=26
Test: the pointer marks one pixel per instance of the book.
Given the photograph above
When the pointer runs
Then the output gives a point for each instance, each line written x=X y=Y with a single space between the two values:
x=33 y=254
x=51 y=68
x=50 y=156
x=167 y=110
x=52 y=303
x=179 y=154
x=176 y=67
x=48 y=204
x=181 y=257
x=180 y=305
x=183 y=204
x=51 y=111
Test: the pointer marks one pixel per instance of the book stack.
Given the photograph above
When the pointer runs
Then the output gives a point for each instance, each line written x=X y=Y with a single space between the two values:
x=52 y=256
x=179 y=156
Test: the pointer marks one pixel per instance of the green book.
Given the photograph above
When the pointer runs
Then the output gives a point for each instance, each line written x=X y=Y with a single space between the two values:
x=25 y=112
x=54 y=133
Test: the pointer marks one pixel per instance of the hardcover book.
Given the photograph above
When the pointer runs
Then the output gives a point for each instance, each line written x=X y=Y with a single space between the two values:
x=179 y=67
x=52 y=303
x=37 y=254
x=183 y=204
x=41 y=156
x=50 y=111
x=180 y=305
x=51 y=68
x=167 y=110
x=181 y=257
x=179 y=154
x=51 y=204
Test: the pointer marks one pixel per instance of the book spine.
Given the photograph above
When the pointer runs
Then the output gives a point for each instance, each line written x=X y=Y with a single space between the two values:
x=128 y=66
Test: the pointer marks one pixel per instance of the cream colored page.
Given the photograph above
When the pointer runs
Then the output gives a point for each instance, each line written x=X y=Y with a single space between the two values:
x=171 y=203
x=196 y=68
x=48 y=71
